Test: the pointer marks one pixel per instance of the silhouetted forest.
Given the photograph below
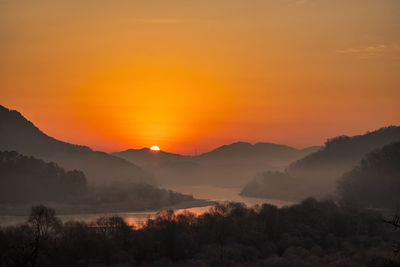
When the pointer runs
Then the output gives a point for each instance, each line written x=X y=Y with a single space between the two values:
x=312 y=233
x=317 y=174
x=29 y=180
x=376 y=181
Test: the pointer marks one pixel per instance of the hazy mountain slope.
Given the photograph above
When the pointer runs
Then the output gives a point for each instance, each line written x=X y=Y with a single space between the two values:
x=317 y=173
x=236 y=163
x=264 y=151
x=238 y=151
x=19 y=134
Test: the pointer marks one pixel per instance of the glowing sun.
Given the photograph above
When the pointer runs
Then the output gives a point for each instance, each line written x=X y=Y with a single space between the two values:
x=155 y=148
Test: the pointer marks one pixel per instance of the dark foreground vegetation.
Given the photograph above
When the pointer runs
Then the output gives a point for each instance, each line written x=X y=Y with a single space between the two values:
x=311 y=233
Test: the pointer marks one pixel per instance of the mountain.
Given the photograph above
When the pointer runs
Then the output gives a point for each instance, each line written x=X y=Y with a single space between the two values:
x=21 y=135
x=317 y=173
x=343 y=152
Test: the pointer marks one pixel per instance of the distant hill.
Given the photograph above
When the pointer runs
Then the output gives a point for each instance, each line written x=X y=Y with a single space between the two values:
x=21 y=135
x=317 y=173
x=375 y=182
x=228 y=165
x=263 y=151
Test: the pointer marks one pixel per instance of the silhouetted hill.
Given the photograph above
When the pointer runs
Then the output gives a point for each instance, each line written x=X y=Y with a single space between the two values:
x=27 y=179
x=375 y=182
x=317 y=173
x=19 y=134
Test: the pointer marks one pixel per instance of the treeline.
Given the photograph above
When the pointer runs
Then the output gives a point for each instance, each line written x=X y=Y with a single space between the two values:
x=311 y=233
x=25 y=179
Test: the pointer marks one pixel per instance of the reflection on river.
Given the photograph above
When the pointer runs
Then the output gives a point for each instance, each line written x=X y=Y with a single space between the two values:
x=218 y=194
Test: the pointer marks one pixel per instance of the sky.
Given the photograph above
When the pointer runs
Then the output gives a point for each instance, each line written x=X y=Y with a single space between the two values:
x=191 y=75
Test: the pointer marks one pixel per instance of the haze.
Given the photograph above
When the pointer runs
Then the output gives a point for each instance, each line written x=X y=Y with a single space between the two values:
x=192 y=75
x=200 y=133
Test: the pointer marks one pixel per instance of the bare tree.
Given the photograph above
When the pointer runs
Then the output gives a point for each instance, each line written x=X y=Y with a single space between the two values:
x=395 y=221
x=43 y=222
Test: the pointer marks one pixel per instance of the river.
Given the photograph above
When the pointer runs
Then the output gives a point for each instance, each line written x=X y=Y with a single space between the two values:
x=219 y=194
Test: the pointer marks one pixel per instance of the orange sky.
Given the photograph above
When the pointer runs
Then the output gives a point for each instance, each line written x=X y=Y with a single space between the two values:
x=193 y=75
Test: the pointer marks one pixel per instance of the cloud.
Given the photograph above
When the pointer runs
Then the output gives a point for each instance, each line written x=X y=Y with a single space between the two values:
x=301 y=2
x=370 y=51
x=172 y=21
x=292 y=3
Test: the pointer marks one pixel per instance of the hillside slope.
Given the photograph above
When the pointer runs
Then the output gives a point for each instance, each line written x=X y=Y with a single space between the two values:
x=317 y=173
x=375 y=182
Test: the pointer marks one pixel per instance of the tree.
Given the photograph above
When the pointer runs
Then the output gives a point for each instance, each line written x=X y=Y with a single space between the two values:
x=43 y=221
x=395 y=221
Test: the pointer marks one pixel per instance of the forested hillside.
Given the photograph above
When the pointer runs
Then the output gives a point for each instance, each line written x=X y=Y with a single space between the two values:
x=317 y=174
x=375 y=182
